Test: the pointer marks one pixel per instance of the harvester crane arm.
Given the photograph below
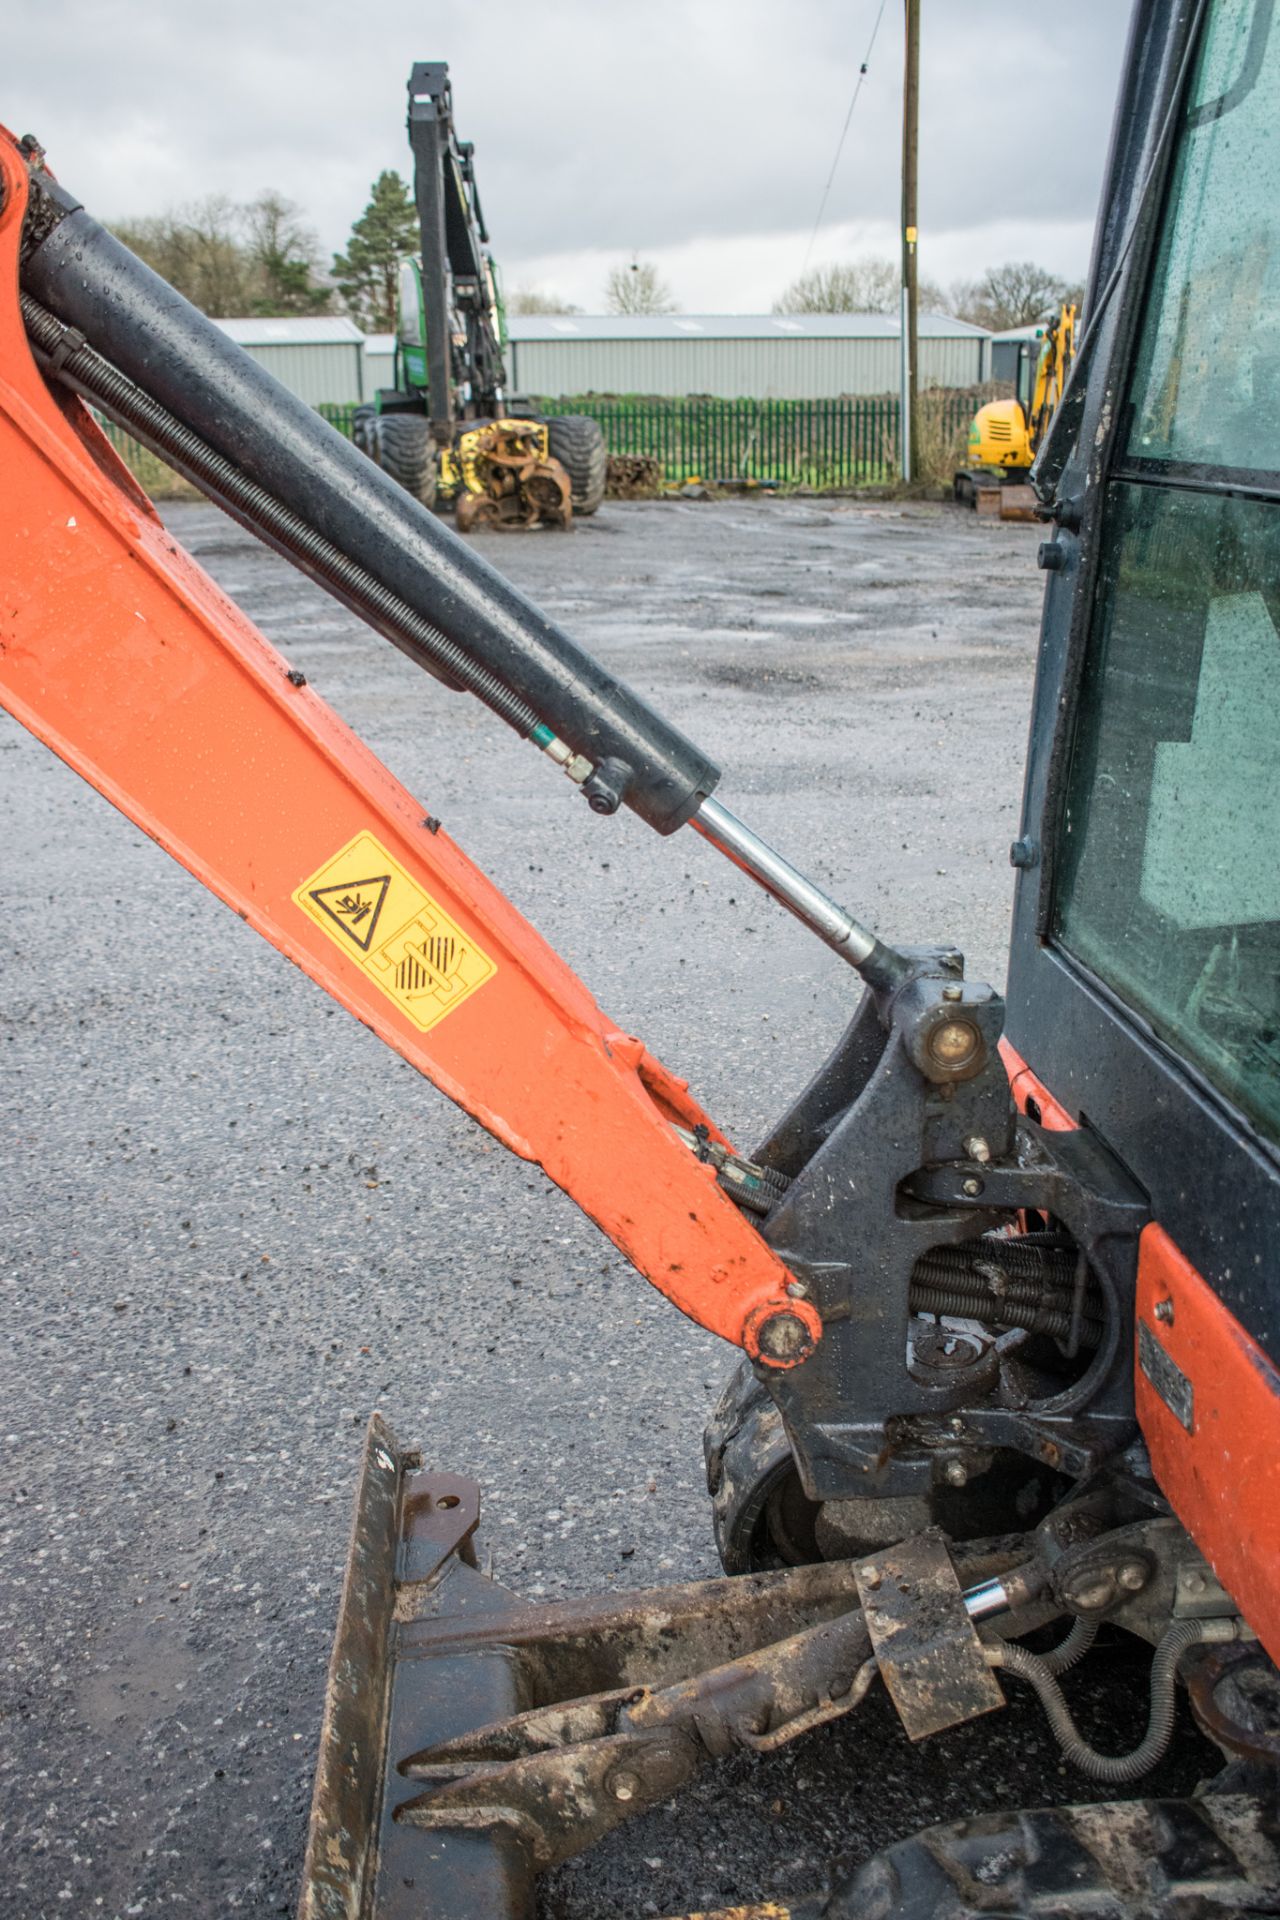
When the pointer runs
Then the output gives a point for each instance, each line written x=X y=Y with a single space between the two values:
x=458 y=292
x=448 y=430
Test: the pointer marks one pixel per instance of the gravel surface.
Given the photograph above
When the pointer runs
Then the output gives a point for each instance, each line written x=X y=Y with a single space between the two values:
x=234 y=1223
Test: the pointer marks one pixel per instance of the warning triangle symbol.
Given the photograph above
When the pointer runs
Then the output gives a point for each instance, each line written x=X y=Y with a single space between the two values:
x=355 y=906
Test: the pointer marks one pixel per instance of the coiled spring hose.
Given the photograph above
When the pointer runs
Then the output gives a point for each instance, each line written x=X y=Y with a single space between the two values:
x=1039 y=1670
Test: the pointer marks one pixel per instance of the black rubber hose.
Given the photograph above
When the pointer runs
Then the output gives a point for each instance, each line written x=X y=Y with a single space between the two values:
x=975 y=1286
x=1011 y=1283
x=86 y=372
x=1018 y=1258
x=1028 y=1317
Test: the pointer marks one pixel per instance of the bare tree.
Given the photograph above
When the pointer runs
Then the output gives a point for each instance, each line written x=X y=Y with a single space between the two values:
x=533 y=300
x=284 y=257
x=232 y=260
x=849 y=286
x=198 y=250
x=638 y=288
x=869 y=285
x=1018 y=294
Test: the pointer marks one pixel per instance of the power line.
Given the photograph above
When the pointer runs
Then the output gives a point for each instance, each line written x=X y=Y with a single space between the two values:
x=862 y=74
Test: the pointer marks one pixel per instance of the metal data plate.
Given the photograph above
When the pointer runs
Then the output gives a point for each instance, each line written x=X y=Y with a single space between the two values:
x=925 y=1643
x=1167 y=1377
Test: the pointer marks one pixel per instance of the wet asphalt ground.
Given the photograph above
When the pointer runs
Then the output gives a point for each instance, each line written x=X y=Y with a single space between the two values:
x=233 y=1222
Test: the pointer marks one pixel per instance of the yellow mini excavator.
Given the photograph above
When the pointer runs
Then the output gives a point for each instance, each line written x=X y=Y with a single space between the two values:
x=1006 y=435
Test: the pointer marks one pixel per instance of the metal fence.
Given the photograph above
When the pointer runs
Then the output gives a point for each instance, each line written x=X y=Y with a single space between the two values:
x=821 y=444
x=791 y=443
x=148 y=469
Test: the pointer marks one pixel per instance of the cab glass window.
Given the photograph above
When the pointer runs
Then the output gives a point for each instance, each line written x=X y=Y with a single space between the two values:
x=410 y=304
x=1168 y=872
x=1207 y=387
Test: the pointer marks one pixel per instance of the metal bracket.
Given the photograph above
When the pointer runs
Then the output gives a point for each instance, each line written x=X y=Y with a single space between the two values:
x=928 y=1652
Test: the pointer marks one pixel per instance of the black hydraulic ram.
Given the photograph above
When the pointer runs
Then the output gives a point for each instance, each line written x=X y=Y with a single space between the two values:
x=135 y=320
x=105 y=324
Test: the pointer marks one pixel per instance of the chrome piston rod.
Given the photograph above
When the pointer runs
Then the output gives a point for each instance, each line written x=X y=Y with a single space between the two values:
x=819 y=912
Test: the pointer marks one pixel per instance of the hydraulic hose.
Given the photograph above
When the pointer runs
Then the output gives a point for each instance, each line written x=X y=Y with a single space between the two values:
x=1071 y=1651
x=1118 y=1769
x=1028 y=1317
x=1021 y=1260
x=1011 y=1283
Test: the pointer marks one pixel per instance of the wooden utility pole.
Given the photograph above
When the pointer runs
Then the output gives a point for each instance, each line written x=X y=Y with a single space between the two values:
x=909 y=402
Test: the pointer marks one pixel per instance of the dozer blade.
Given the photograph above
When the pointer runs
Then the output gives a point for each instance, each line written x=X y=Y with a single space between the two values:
x=471 y=1740
x=412 y=1533
x=1018 y=503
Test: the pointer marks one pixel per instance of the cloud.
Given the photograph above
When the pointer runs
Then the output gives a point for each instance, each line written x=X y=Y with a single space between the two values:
x=685 y=129
x=746 y=272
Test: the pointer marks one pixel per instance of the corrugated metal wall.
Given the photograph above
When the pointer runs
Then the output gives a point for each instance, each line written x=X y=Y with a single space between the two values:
x=379 y=371
x=317 y=371
x=344 y=373
x=736 y=369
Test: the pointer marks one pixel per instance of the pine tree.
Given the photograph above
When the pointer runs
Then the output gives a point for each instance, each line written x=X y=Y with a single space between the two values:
x=385 y=234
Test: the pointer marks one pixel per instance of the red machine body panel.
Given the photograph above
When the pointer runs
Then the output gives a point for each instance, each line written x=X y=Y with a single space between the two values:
x=1208 y=1403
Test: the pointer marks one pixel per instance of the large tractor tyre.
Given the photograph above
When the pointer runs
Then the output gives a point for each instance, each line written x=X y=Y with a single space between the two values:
x=364 y=427
x=403 y=447
x=577 y=442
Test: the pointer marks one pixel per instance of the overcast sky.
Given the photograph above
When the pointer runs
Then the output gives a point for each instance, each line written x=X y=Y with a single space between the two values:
x=697 y=133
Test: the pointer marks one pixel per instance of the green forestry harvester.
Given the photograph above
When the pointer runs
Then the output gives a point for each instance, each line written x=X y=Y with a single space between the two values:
x=448 y=430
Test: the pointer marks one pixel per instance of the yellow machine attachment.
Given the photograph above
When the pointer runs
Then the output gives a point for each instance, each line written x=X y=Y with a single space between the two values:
x=501 y=473
x=1005 y=435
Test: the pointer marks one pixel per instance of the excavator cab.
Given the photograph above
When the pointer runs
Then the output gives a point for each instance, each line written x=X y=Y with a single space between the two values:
x=1145 y=967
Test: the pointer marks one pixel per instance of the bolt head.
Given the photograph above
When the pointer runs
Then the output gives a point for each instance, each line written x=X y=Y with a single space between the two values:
x=972 y=1187
x=1164 y=1312
x=956 y=1474
x=1093 y=1597
x=1132 y=1576
x=953 y=993
x=623 y=1784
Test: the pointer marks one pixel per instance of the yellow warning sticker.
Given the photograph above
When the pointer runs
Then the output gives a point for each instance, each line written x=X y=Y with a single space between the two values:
x=402 y=938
